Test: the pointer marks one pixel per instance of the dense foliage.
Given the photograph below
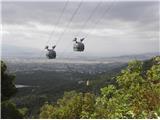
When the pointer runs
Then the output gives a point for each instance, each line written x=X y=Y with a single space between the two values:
x=8 y=89
x=10 y=111
x=136 y=94
x=72 y=105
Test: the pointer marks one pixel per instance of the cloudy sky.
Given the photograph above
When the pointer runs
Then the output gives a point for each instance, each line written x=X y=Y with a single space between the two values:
x=111 y=27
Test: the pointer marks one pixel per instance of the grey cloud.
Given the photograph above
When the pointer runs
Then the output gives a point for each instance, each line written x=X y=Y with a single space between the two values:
x=138 y=18
x=44 y=12
x=48 y=12
x=134 y=10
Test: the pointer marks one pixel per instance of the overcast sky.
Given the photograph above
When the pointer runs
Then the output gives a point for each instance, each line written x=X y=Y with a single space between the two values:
x=111 y=28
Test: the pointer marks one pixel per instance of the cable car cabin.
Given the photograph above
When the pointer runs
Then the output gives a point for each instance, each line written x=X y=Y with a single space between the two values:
x=78 y=46
x=51 y=53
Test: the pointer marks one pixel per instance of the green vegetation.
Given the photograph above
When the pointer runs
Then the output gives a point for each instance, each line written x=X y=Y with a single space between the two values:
x=8 y=89
x=10 y=111
x=132 y=93
x=136 y=94
x=72 y=105
x=51 y=85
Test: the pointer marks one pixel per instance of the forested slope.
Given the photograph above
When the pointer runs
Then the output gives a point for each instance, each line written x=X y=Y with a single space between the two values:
x=136 y=94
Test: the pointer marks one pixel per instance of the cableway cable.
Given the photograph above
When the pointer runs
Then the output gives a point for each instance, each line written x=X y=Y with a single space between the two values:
x=99 y=20
x=58 y=20
x=70 y=21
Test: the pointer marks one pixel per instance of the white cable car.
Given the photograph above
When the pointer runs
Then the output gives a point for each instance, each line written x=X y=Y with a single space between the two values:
x=78 y=46
x=51 y=53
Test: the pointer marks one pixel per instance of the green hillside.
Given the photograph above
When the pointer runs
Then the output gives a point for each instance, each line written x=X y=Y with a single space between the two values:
x=122 y=91
x=135 y=94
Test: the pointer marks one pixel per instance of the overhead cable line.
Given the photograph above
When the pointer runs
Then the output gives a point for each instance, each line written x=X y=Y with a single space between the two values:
x=89 y=17
x=57 y=23
x=86 y=22
x=101 y=17
x=70 y=21
x=99 y=20
x=58 y=20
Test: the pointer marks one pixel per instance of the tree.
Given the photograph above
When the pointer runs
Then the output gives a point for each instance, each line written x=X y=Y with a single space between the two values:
x=9 y=111
x=8 y=89
x=136 y=96
x=73 y=105
x=88 y=105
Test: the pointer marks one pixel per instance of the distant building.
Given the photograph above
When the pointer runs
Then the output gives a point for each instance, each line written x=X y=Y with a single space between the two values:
x=88 y=83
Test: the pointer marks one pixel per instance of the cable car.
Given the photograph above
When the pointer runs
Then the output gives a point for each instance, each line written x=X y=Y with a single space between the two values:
x=51 y=53
x=78 y=46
